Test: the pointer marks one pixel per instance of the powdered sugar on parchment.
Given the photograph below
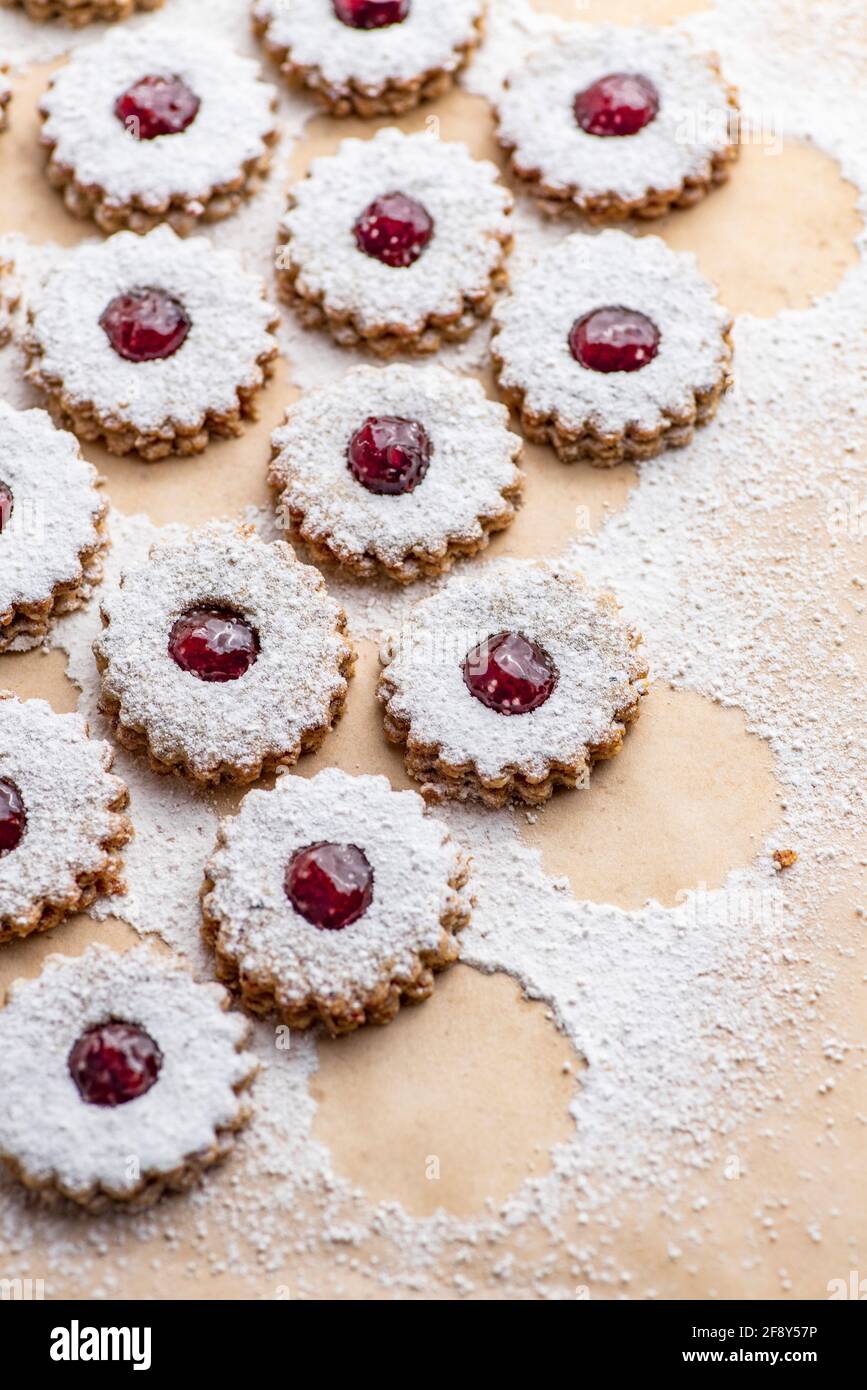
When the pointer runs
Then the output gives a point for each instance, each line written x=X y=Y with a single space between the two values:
x=683 y=1014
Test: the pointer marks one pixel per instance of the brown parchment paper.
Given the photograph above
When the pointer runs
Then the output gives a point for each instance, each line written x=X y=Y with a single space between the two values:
x=480 y=1075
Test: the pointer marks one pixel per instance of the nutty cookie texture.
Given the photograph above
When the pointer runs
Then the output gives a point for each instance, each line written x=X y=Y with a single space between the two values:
x=77 y=13
x=612 y=347
x=62 y=825
x=614 y=122
x=222 y=657
x=157 y=125
x=503 y=686
x=332 y=899
x=52 y=526
x=395 y=244
x=140 y=1072
x=151 y=344
x=396 y=471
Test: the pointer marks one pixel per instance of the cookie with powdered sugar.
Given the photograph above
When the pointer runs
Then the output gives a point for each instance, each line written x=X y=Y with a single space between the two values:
x=612 y=347
x=77 y=13
x=396 y=470
x=396 y=243
x=222 y=657
x=150 y=343
x=504 y=686
x=61 y=817
x=52 y=526
x=332 y=899
x=617 y=122
x=140 y=1073
x=157 y=125
x=370 y=57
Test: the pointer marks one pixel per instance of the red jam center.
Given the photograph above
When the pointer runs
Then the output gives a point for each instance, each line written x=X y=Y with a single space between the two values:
x=394 y=229
x=371 y=14
x=614 y=339
x=213 y=644
x=143 y=325
x=13 y=817
x=113 y=1063
x=157 y=106
x=620 y=104
x=509 y=673
x=330 y=885
x=389 y=454
x=7 y=504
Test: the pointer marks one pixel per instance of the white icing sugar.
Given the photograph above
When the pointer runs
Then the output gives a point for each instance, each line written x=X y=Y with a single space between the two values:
x=431 y=37
x=535 y=113
x=230 y=329
x=229 y=130
x=585 y=272
x=56 y=507
x=286 y=693
x=67 y=790
x=469 y=210
x=86 y=1147
x=591 y=647
x=410 y=852
x=472 y=462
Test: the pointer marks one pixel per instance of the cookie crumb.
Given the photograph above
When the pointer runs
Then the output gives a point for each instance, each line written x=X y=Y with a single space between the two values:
x=784 y=858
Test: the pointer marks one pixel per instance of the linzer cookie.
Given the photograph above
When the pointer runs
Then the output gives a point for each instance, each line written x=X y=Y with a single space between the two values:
x=77 y=13
x=396 y=470
x=614 y=122
x=150 y=343
x=139 y=1072
x=52 y=526
x=612 y=347
x=222 y=657
x=396 y=243
x=332 y=899
x=61 y=817
x=370 y=57
x=157 y=125
x=503 y=686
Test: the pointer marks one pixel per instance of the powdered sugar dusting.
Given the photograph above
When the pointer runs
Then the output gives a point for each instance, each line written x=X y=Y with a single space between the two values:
x=55 y=507
x=472 y=463
x=285 y=695
x=583 y=273
x=72 y=348
x=234 y=117
x=410 y=853
x=535 y=114
x=81 y=1146
x=429 y=38
x=463 y=196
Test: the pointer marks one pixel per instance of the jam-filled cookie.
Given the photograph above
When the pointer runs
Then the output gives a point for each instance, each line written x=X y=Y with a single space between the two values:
x=505 y=685
x=61 y=817
x=396 y=470
x=370 y=57
x=157 y=125
x=151 y=344
x=397 y=243
x=614 y=122
x=139 y=1072
x=612 y=347
x=52 y=526
x=222 y=657
x=332 y=899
